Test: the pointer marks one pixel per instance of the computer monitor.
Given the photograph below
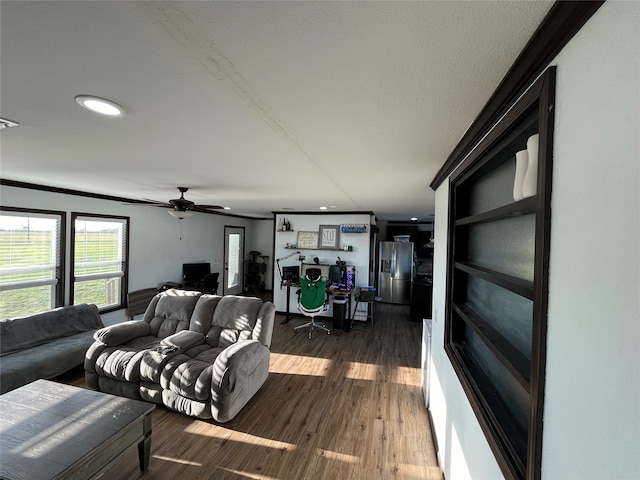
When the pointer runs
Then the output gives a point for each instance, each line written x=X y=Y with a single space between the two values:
x=335 y=274
x=291 y=274
x=194 y=272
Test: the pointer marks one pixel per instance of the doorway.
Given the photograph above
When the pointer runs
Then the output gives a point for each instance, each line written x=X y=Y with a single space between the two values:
x=233 y=277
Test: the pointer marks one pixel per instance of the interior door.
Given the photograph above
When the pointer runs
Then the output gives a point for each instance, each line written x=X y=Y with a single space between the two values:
x=233 y=261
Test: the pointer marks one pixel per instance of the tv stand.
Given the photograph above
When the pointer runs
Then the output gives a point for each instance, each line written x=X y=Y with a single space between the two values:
x=208 y=284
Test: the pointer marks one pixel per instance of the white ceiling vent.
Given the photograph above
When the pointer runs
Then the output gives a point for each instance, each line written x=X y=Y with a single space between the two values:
x=4 y=123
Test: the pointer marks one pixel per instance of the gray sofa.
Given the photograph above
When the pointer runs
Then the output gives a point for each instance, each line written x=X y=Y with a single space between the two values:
x=46 y=344
x=202 y=355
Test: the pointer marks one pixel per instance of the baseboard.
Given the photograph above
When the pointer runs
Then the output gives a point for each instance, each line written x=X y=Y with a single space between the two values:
x=435 y=443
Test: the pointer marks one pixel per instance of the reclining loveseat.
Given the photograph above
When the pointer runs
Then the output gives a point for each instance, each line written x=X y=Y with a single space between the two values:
x=202 y=355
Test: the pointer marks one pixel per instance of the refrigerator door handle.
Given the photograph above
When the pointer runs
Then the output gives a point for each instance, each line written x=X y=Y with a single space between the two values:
x=394 y=266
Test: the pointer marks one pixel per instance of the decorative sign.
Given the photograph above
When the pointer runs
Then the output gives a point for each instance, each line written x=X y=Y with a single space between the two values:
x=361 y=228
x=329 y=236
x=308 y=240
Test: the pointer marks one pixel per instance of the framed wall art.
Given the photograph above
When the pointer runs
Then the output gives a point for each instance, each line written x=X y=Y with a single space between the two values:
x=329 y=237
x=308 y=240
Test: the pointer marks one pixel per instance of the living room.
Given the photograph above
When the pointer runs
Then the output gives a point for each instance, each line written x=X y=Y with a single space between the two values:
x=591 y=392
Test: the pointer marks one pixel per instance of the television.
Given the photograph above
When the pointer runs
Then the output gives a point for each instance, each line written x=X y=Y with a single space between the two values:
x=193 y=273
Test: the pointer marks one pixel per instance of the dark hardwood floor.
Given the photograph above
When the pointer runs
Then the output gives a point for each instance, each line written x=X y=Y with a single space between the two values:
x=343 y=406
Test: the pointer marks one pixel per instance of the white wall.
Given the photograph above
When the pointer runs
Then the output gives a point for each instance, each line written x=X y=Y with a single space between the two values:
x=592 y=406
x=304 y=222
x=592 y=395
x=156 y=252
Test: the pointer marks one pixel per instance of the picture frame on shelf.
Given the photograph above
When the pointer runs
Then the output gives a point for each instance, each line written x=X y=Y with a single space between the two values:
x=308 y=240
x=329 y=237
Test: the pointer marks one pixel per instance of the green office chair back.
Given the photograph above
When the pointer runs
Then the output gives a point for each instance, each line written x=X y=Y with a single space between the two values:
x=313 y=292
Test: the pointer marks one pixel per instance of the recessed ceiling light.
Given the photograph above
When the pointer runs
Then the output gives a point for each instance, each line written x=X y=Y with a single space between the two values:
x=100 y=105
x=414 y=219
x=226 y=208
x=323 y=207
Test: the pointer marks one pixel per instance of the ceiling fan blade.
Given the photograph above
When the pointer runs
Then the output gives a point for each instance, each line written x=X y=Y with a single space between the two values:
x=180 y=204
x=210 y=207
x=146 y=202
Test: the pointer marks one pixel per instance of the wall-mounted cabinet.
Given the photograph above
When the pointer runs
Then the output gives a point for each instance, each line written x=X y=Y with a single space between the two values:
x=497 y=278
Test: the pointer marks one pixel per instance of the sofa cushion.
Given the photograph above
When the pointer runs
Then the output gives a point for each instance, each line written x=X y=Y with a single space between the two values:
x=233 y=320
x=151 y=364
x=122 y=363
x=43 y=361
x=187 y=377
x=172 y=314
x=184 y=340
x=203 y=313
x=25 y=332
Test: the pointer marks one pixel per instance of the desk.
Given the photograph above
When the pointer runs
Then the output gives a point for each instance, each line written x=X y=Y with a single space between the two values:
x=288 y=316
x=330 y=290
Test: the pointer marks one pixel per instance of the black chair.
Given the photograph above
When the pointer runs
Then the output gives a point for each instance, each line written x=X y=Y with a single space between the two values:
x=363 y=317
x=209 y=283
x=313 y=299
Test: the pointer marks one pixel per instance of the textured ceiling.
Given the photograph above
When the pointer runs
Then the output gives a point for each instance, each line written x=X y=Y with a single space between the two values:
x=259 y=106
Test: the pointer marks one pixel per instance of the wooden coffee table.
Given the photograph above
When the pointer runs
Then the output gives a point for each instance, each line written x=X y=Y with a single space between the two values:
x=50 y=430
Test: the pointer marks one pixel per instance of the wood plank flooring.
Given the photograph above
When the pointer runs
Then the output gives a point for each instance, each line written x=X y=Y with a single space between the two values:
x=343 y=406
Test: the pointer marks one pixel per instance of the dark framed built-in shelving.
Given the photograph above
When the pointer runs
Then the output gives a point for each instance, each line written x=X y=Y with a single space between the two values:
x=495 y=332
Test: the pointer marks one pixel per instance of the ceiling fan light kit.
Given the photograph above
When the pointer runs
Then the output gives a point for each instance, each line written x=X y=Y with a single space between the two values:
x=180 y=213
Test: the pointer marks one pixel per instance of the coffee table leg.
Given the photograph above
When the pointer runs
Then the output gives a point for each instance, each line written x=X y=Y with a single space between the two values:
x=144 y=447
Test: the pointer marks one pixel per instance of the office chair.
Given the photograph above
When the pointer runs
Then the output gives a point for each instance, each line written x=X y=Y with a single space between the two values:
x=313 y=299
x=209 y=283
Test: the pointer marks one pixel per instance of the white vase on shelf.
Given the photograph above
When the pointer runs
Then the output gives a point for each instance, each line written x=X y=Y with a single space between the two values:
x=522 y=161
x=529 y=186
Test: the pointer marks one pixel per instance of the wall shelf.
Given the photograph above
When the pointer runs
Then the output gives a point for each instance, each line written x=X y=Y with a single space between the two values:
x=321 y=249
x=495 y=326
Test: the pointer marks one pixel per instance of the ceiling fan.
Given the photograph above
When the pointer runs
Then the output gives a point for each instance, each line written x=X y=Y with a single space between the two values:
x=180 y=207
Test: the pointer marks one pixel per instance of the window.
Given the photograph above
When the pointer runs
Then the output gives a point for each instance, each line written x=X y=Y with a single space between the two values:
x=495 y=332
x=31 y=261
x=99 y=256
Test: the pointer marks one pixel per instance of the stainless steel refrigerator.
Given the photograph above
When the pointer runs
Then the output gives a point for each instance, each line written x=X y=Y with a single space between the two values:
x=395 y=272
